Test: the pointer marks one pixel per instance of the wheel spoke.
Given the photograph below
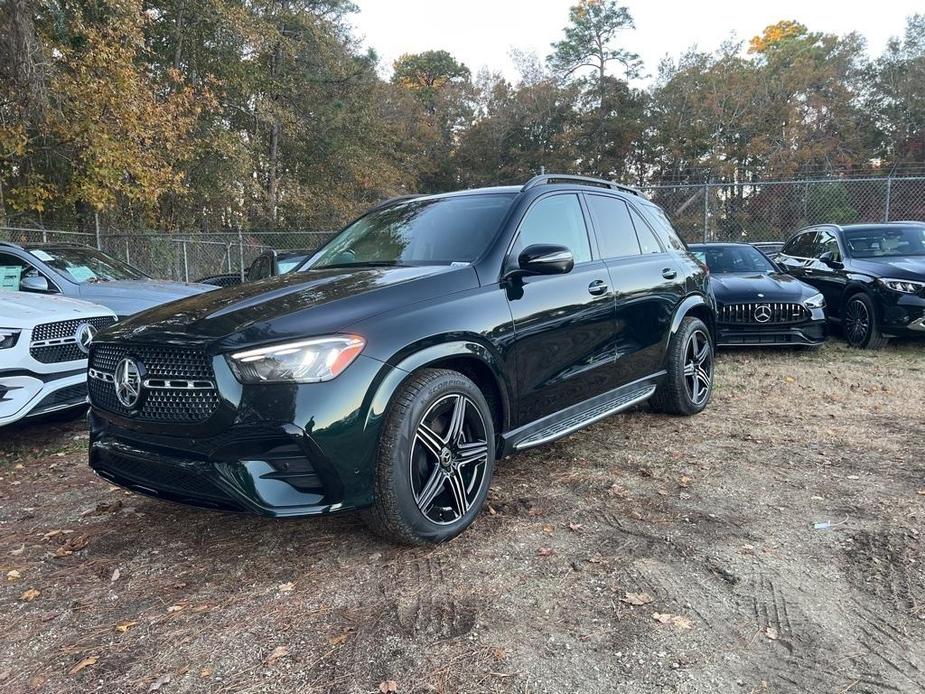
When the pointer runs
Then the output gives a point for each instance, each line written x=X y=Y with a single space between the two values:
x=430 y=490
x=476 y=451
x=458 y=490
x=690 y=368
x=457 y=421
x=695 y=389
x=429 y=440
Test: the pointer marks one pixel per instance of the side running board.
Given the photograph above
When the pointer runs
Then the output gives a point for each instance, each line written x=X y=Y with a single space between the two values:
x=618 y=402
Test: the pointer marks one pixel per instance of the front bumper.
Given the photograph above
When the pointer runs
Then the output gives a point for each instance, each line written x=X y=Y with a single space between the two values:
x=903 y=315
x=24 y=394
x=808 y=333
x=275 y=450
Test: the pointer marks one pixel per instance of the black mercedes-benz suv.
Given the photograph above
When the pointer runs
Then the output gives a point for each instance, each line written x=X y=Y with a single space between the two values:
x=428 y=339
x=872 y=277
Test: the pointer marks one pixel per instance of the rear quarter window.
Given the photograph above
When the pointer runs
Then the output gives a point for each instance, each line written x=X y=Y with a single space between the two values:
x=662 y=225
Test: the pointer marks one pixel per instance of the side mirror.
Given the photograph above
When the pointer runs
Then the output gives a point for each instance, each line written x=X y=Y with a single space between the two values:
x=34 y=283
x=545 y=259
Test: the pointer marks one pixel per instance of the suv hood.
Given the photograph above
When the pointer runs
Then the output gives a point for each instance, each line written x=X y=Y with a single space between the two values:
x=127 y=297
x=901 y=268
x=730 y=288
x=294 y=305
x=25 y=310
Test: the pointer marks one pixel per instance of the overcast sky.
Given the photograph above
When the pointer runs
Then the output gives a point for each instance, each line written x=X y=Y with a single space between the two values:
x=482 y=32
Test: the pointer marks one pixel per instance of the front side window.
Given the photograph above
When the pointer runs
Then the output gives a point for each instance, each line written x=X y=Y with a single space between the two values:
x=438 y=231
x=800 y=246
x=557 y=220
x=616 y=235
x=886 y=241
x=826 y=243
x=86 y=264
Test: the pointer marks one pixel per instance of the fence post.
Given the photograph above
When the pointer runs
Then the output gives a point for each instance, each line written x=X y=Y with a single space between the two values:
x=886 y=207
x=706 y=210
x=241 y=252
x=128 y=258
x=185 y=263
x=96 y=219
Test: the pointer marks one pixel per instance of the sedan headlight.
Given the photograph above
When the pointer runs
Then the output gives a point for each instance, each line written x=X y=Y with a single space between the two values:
x=306 y=361
x=8 y=337
x=903 y=286
x=815 y=301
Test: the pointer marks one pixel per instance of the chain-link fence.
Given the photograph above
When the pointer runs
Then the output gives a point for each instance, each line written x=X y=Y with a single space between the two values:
x=760 y=211
x=773 y=210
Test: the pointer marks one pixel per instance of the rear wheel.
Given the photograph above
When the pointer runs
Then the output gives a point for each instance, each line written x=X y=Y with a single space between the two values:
x=688 y=385
x=860 y=325
x=436 y=459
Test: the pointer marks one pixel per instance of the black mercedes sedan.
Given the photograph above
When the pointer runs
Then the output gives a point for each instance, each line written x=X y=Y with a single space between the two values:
x=756 y=303
x=872 y=276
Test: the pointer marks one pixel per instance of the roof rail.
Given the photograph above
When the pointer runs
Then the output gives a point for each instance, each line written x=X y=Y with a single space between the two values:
x=549 y=179
x=906 y=221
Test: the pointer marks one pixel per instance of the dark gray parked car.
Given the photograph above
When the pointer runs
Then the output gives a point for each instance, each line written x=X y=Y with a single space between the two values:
x=86 y=273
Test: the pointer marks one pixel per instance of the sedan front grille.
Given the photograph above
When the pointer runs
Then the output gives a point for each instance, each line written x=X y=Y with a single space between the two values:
x=178 y=384
x=53 y=343
x=762 y=314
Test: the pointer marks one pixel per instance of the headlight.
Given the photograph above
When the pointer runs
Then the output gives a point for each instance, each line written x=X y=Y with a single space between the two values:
x=306 y=361
x=904 y=286
x=815 y=301
x=8 y=337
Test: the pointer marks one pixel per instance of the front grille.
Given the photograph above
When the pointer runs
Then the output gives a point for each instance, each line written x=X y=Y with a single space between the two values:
x=69 y=395
x=63 y=333
x=749 y=314
x=161 y=404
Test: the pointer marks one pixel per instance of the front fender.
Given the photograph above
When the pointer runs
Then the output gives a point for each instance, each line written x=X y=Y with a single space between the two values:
x=413 y=358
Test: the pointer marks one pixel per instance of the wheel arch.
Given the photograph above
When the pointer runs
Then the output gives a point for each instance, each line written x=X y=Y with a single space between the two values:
x=472 y=358
x=698 y=306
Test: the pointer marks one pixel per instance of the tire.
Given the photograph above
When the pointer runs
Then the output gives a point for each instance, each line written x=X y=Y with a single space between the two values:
x=683 y=393
x=860 y=325
x=434 y=465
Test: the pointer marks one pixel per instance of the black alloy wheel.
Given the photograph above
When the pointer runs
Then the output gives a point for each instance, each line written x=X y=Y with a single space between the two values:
x=860 y=323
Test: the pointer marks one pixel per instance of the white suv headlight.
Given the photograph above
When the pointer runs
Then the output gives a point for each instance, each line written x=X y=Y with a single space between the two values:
x=904 y=286
x=815 y=301
x=305 y=361
x=8 y=337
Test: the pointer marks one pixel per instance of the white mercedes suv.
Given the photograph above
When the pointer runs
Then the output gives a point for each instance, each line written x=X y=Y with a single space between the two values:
x=44 y=341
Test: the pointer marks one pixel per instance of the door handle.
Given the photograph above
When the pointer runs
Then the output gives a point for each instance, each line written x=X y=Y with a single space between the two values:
x=669 y=273
x=597 y=287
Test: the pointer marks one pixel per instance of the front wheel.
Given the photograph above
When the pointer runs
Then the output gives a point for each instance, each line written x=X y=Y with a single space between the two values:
x=861 y=328
x=436 y=459
x=688 y=385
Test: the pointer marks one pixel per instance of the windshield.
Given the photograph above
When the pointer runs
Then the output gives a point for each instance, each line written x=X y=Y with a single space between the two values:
x=886 y=242
x=436 y=232
x=728 y=259
x=86 y=265
x=290 y=263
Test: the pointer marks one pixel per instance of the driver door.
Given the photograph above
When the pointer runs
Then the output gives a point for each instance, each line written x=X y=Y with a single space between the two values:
x=564 y=325
x=828 y=274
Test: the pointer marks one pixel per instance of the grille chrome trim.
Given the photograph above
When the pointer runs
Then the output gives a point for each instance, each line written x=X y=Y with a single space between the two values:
x=177 y=384
x=101 y=376
x=744 y=314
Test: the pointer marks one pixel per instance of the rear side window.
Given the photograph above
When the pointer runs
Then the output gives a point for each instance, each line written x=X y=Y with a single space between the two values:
x=647 y=241
x=616 y=235
x=800 y=246
x=557 y=220
x=659 y=221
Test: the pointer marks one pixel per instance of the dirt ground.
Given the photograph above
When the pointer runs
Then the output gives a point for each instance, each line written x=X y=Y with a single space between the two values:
x=644 y=554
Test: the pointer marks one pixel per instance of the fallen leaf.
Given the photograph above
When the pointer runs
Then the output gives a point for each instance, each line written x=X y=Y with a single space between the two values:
x=159 y=682
x=86 y=662
x=636 y=599
x=388 y=686
x=545 y=551
x=30 y=595
x=678 y=621
x=115 y=576
x=206 y=672
x=73 y=544
x=685 y=481
x=548 y=529
x=278 y=652
x=175 y=608
x=12 y=575
x=17 y=552
x=340 y=638
x=616 y=489
x=790 y=379
x=575 y=527
x=54 y=533
x=286 y=587
x=771 y=633
x=123 y=627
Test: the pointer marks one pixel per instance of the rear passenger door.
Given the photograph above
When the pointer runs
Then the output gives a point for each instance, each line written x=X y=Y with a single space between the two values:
x=646 y=285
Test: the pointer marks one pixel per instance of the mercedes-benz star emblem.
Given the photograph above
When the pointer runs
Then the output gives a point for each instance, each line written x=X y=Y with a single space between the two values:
x=128 y=382
x=762 y=313
x=84 y=336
